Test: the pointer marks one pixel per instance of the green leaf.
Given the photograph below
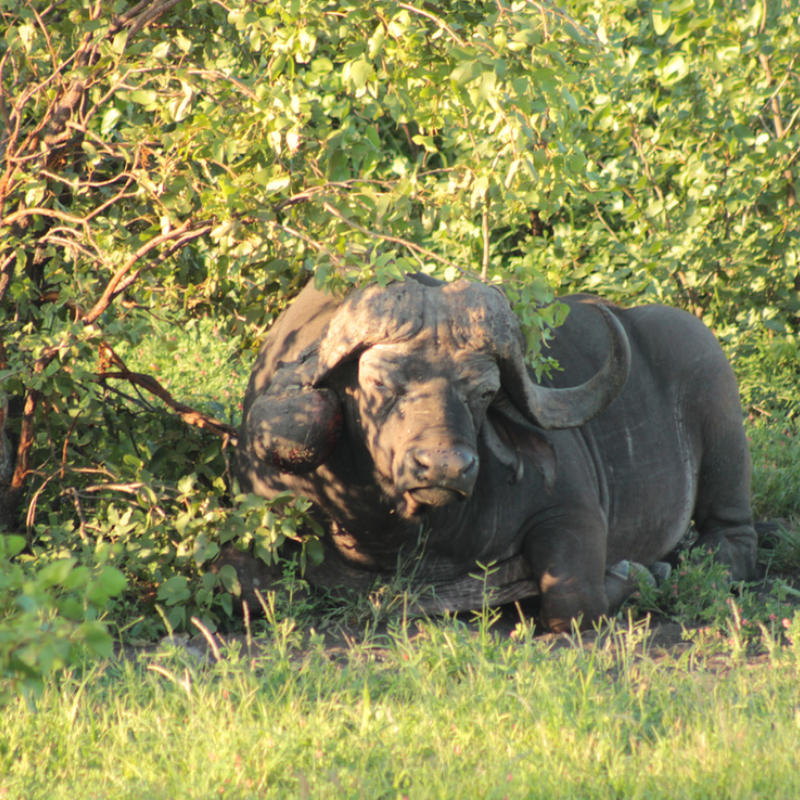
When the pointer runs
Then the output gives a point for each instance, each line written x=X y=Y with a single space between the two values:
x=674 y=69
x=144 y=97
x=466 y=72
x=161 y=51
x=119 y=42
x=321 y=65
x=661 y=17
x=528 y=36
x=109 y=119
x=227 y=604
x=186 y=484
x=753 y=19
x=314 y=551
x=376 y=42
x=55 y=573
x=97 y=638
x=111 y=581
x=11 y=544
x=360 y=72
x=230 y=579
x=174 y=584
x=277 y=185
x=77 y=579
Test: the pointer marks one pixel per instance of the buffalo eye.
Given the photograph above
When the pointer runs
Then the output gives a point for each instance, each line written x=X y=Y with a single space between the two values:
x=383 y=388
x=487 y=394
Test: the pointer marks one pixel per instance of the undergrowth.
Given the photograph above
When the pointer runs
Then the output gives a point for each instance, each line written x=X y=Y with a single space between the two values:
x=698 y=593
x=196 y=362
x=775 y=454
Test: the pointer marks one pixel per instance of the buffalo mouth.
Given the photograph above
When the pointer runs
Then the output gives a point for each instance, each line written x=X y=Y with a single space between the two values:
x=435 y=495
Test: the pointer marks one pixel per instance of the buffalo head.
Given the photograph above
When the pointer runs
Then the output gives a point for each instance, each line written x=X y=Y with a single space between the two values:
x=433 y=367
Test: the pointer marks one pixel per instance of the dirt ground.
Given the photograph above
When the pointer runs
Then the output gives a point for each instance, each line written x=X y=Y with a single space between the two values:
x=666 y=638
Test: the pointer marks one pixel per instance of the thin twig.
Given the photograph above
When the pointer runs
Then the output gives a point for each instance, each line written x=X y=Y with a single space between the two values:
x=546 y=8
x=25 y=440
x=396 y=239
x=119 y=282
x=605 y=224
x=441 y=23
x=216 y=75
x=485 y=230
x=128 y=488
x=82 y=530
x=42 y=212
x=638 y=145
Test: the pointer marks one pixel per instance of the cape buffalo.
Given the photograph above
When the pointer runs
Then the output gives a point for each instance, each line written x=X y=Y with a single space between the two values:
x=409 y=418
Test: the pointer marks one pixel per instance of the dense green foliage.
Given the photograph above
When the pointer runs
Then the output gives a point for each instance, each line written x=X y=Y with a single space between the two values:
x=49 y=615
x=173 y=171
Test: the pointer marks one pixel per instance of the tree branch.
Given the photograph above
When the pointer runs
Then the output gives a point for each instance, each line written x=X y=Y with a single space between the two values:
x=485 y=230
x=42 y=212
x=135 y=20
x=441 y=23
x=25 y=441
x=188 y=414
x=7 y=273
x=118 y=283
x=777 y=121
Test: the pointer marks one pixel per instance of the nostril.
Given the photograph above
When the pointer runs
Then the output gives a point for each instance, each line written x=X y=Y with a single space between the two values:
x=442 y=464
x=421 y=458
x=470 y=464
x=419 y=464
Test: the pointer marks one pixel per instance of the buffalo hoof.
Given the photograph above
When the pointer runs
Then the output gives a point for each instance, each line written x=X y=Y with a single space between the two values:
x=622 y=580
x=661 y=570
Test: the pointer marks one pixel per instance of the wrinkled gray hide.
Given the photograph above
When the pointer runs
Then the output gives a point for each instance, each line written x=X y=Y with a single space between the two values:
x=409 y=418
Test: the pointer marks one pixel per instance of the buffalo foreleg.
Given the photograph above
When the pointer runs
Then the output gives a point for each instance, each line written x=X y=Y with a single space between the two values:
x=567 y=558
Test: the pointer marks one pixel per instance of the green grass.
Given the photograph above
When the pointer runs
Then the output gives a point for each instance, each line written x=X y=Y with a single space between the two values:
x=195 y=363
x=449 y=714
x=775 y=451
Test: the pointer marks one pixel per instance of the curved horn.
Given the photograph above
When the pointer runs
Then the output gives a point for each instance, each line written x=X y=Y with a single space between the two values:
x=494 y=325
x=479 y=318
x=576 y=405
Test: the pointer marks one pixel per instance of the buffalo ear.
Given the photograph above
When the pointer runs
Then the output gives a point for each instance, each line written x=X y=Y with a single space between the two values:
x=294 y=431
x=293 y=426
x=511 y=436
